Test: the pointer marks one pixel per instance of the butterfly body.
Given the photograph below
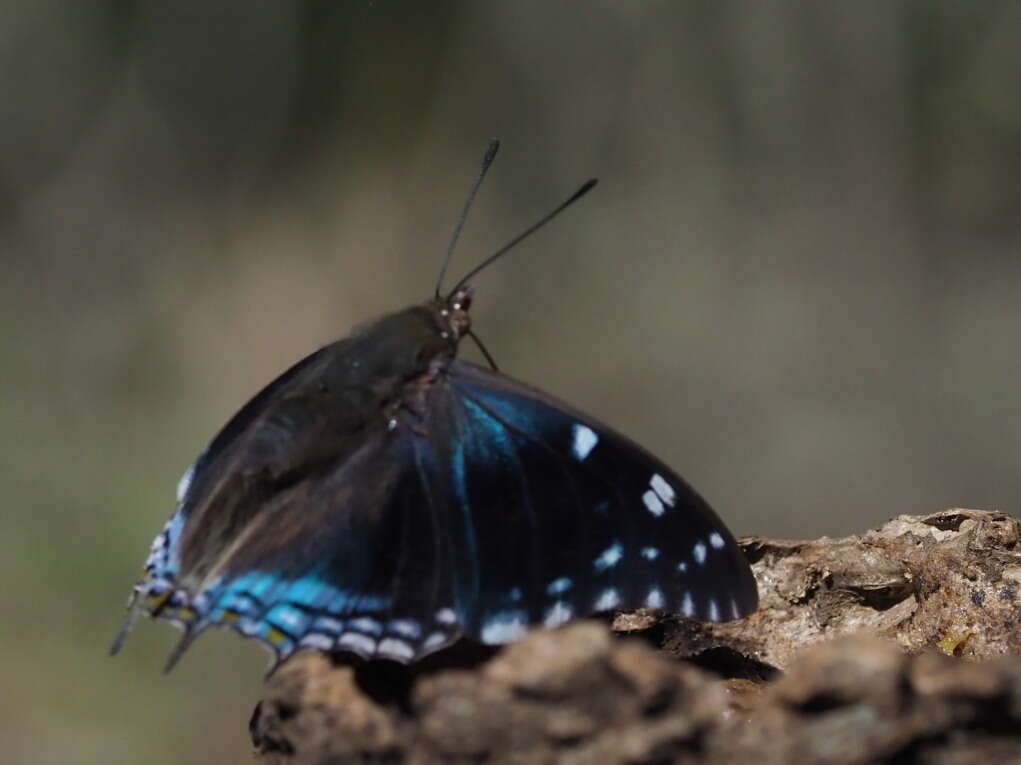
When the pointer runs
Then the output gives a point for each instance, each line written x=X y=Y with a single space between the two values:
x=385 y=498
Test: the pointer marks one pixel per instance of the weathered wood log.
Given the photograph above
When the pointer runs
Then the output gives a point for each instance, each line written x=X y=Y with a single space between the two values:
x=902 y=644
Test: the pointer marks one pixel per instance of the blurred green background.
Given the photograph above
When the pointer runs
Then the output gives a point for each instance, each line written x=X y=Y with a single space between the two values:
x=798 y=280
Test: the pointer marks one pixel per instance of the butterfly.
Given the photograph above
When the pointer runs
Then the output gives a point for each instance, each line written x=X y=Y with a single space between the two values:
x=385 y=498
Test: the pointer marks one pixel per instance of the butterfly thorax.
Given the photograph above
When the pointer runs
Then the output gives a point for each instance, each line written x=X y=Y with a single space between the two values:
x=407 y=348
x=433 y=332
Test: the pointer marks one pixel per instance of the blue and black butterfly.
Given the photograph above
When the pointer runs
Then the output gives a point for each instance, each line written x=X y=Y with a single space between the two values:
x=385 y=498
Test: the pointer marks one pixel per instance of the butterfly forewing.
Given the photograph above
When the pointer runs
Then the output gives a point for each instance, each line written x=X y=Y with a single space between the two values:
x=618 y=528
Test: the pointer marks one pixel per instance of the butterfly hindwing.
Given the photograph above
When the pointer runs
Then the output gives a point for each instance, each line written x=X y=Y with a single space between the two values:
x=327 y=554
x=350 y=565
x=161 y=563
x=362 y=573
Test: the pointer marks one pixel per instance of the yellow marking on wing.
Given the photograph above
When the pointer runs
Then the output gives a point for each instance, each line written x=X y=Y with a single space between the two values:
x=155 y=603
x=275 y=636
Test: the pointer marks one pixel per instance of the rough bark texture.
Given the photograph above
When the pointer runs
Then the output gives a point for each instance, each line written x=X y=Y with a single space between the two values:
x=899 y=645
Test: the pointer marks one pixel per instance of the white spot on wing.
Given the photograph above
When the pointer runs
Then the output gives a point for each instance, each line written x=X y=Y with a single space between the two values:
x=653 y=502
x=654 y=598
x=504 y=627
x=249 y=627
x=609 y=557
x=361 y=644
x=365 y=624
x=405 y=627
x=688 y=605
x=585 y=440
x=714 y=610
x=328 y=624
x=446 y=616
x=317 y=640
x=663 y=489
x=396 y=649
x=716 y=541
x=650 y=553
x=559 y=613
x=609 y=599
x=434 y=640
x=682 y=567
x=559 y=586
x=699 y=552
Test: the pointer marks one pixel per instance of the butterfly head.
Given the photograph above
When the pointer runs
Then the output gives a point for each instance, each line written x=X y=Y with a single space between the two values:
x=453 y=312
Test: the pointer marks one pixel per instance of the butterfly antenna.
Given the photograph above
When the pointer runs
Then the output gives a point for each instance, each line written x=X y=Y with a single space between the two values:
x=485 y=351
x=585 y=189
x=487 y=160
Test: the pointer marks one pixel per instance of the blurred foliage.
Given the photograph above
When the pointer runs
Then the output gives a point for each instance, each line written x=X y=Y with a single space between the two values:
x=798 y=280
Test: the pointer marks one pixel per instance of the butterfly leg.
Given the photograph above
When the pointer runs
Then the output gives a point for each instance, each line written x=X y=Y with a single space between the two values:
x=134 y=611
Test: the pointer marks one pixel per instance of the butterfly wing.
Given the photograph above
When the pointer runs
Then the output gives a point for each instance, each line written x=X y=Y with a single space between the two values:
x=554 y=516
x=349 y=561
x=300 y=530
x=163 y=561
x=486 y=508
x=352 y=563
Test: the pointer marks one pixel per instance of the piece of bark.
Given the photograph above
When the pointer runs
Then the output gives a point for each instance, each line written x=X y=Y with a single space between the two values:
x=862 y=700
x=948 y=583
x=571 y=695
x=951 y=580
